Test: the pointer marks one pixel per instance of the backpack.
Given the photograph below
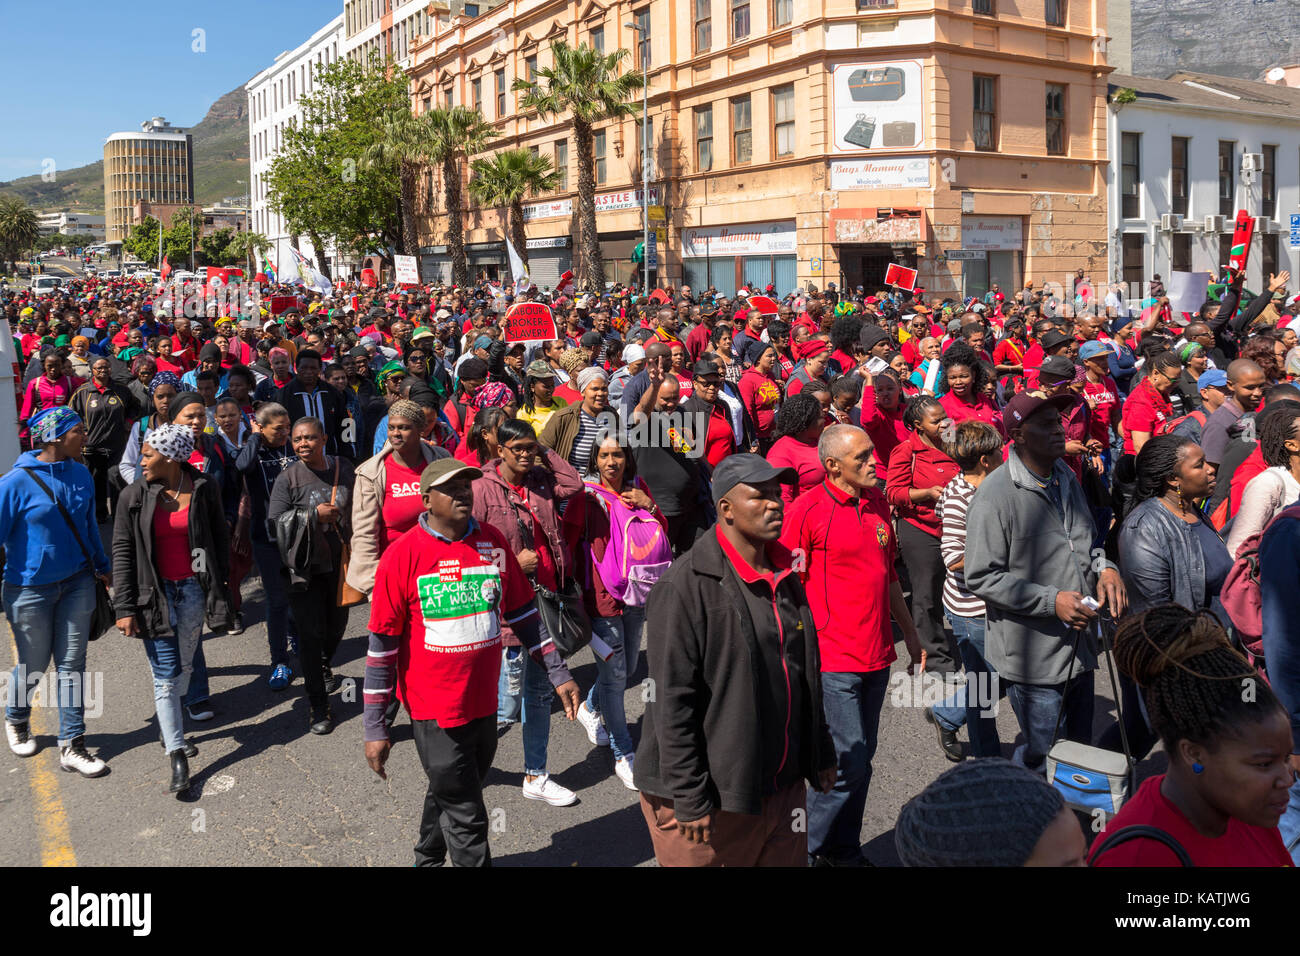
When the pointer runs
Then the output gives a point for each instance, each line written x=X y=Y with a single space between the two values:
x=638 y=552
x=1241 y=596
x=1168 y=425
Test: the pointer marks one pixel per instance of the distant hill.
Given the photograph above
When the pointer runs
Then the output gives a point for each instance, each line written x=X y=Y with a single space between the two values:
x=220 y=161
x=1240 y=38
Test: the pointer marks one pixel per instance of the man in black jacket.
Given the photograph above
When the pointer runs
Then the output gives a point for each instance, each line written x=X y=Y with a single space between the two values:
x=734 y=730
x=307 y=395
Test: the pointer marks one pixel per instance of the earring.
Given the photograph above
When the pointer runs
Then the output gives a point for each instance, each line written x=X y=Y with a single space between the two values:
x=1197 y=767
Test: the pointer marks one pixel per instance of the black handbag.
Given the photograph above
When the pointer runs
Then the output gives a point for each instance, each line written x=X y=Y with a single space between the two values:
x=565 y=617
x=104 y=616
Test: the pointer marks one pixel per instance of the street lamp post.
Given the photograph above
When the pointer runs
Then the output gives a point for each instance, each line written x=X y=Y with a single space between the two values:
x=645 y=166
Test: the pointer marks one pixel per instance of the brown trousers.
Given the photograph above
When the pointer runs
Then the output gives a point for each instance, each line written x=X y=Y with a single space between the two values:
x=778 y=836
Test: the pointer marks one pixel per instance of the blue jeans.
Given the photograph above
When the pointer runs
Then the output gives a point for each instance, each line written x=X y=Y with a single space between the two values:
x=1036 y=707
x=623 y=635
x=510 y=684
x=536 y=710
x=267 y=558
x=1289 y=825
x=175 y=660
x=981 y=685
x=852 y=704
x=51 y=622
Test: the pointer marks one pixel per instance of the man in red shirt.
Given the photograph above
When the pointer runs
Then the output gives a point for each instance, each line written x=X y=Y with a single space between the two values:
x=840 y=535
x=443 y=592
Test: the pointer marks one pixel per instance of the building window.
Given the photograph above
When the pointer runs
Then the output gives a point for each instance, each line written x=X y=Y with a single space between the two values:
x=1134 y=266
x=1225 y=248
x=642 y=20
x=426 y=104
x=782 y=13
x=1054 y=13
x=703 y=25
x=1130 y=175
x=641 y=147
x=476 y=86
x=1181 y=259
x=783 y=119
x=1056 y=145
x=739 y=20
x=985 y=107
x=1178 y=149
x=598 y=151
x=562 y=164
x=1227 y=185
x=447 y=95
x=1268 y=184
x=598 y=39
x=501 y=93
x=530 y=67
x=742 y=133
x=984 y=7
x=1268 y=254
x=703 y=138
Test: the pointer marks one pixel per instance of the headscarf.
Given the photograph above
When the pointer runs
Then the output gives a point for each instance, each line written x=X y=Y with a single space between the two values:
x=51 y=424
x=129 y=353
x=172 y=441
x=80 y=339
x=181 y=401
x=408 y=410
x=589 y=375
x=493 y=394
x=388 y=371
x=164 y=378
x=812 y=347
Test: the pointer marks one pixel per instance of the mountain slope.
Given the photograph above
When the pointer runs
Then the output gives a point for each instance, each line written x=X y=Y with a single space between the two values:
x=1241 y=38
x=220 y=163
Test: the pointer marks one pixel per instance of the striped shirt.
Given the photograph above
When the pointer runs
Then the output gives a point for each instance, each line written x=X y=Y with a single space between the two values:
x=951 y=510
x=580 y=453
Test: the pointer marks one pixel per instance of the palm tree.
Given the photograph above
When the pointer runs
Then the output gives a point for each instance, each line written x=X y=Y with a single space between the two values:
x=403 y=143
x=19 y=229
x=453 y=132
x=587 y=85
x=505 y=179
x=250 y=245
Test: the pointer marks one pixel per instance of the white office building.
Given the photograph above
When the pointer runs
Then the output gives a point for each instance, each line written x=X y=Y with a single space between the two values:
x=274 y=101
x=1185 y=155
x=70 y=224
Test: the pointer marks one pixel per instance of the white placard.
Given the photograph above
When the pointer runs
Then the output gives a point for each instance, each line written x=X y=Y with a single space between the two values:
x=1187 y=291
x=905 y=172
x=405 y=269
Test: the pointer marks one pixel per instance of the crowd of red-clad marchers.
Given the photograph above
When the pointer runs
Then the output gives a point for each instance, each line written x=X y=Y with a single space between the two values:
x=772 y=488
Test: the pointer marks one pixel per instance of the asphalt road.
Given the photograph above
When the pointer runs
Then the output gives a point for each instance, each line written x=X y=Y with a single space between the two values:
x=268 y=792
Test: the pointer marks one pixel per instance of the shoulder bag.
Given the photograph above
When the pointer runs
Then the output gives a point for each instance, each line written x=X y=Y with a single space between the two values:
x=103 y=616
x=562 y=611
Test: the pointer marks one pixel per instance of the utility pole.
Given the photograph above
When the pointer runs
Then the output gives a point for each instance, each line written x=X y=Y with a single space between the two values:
x=645 y=163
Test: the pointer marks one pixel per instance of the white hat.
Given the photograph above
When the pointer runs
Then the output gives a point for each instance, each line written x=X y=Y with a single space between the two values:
x=633 y=353
x=442 y=314
x=269 y=325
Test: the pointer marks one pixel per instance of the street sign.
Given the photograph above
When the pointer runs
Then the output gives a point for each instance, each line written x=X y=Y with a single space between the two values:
x=653 y=250
x=1295 y=230
x=960 y=255
x=661 y=234
x=656 y=213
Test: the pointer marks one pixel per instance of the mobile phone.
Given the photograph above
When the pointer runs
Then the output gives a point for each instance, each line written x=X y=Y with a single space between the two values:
x=1091 y=603
x=876 y=365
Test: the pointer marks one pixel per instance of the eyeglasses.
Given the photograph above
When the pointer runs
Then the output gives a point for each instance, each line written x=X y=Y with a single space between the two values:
x=521 y=451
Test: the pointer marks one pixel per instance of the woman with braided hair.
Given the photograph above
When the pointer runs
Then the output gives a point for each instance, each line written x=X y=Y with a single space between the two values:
x=798 y=426
x=1229 y=745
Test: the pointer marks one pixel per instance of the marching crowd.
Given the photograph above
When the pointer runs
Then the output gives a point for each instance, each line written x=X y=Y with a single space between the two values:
x=772 y=489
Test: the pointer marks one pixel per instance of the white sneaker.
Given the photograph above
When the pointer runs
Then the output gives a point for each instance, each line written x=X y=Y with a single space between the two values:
x=20 y=739
x=623 y=769
x=74 y=758
x=544 y=788
x=595 y=726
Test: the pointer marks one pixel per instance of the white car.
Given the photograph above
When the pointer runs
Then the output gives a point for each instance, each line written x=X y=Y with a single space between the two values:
x=44 y=284
x=90 y=269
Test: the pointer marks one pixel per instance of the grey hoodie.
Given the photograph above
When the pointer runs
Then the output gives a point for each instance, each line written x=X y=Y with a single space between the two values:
x=1019 y=556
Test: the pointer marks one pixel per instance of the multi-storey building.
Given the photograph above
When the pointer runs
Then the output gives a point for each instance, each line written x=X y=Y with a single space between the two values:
x=802 y=141
x=155 y=165
x=1187 y=154
x=274 y=102
x=389 y=28
x=71 y=224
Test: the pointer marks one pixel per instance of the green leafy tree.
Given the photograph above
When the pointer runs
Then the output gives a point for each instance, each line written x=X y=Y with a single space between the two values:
x=247 y=247
x=19 y=229
x=588 y=86
x=504 y=180
x=455 y=132
x=143 y=242
x=403 y=146
x=215 y=247
x=180 y=239
x=321 y=182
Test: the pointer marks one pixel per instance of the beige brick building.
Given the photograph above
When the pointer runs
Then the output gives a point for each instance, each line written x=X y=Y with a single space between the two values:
x=155 y=165
x=808 y=141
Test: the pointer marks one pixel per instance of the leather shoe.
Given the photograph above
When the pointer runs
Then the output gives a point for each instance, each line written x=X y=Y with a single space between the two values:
x=322 y=720
x=188 y=748
x=180 y=772
x=948 y=741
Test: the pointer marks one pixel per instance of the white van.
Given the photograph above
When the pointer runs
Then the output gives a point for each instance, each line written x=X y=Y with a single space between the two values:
x=43 y=284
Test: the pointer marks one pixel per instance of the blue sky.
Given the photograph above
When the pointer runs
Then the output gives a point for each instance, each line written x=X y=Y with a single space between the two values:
x=75 y=71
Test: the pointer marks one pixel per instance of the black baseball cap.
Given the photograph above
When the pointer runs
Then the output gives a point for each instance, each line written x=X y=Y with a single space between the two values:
x=590 y=339
x=747 y=469
x=1057 y=366
x=1053 y=339
x=704 y=367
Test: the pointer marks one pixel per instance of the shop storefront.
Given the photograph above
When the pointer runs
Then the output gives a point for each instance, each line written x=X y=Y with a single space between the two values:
x=548 y=259
x=435 y=264
x=616 y=253
x=868 y=240
x=999 y=244
x=756 y=254
x=486 y=260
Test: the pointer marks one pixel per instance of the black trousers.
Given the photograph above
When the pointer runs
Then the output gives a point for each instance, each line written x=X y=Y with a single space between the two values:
x=926 y=572
x=456 y=761
x=321 y=623
x=682 y=532
x=100 y=464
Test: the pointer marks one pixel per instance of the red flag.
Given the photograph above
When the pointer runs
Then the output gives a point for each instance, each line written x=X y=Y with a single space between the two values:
x=166 y=269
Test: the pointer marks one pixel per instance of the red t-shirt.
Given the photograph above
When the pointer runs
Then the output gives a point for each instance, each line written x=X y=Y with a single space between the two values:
x=446 y=601
x=1242 y=844
x=720 y=440
x=850 y=549
x=885 y=428
x=1144 y=411
x=1008 y=352
x=402 y=501
x=761 y=396
x=1101 y=397
x=982 y=410
x=171 y=543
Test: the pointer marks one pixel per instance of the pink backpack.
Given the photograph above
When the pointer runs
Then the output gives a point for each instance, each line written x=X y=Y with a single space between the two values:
x=1241 y=596
x=638 y=552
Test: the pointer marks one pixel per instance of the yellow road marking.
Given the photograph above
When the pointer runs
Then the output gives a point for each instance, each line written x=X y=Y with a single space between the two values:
x=47 y=801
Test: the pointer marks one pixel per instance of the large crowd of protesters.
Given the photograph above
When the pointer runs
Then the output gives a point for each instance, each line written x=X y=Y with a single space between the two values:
x=769 y=490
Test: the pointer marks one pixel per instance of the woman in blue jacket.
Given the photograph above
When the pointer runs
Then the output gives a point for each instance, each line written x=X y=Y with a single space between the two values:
x=49 y=580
